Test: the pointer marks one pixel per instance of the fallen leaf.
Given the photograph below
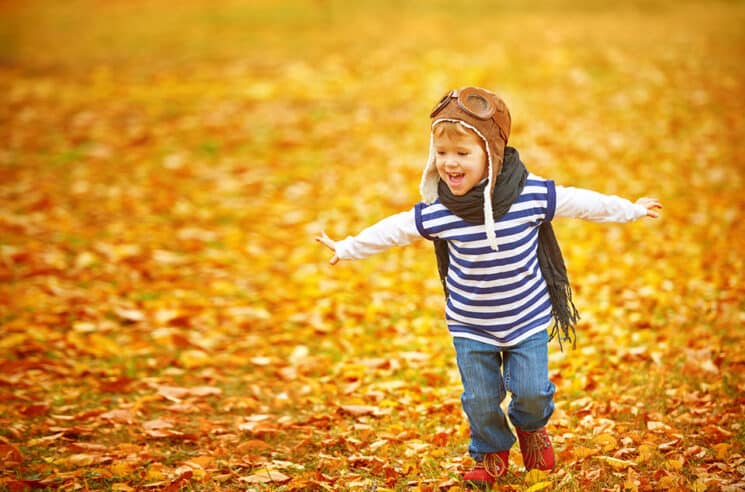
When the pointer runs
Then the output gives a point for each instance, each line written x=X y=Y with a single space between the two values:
x=10 y=454
x=659 y=427
x=616 y=463
x=581 y=452
x=722 y=450
x=45 y=440
x=363 y=410
x=539 y=486
x=122 y=416
x=267 y=476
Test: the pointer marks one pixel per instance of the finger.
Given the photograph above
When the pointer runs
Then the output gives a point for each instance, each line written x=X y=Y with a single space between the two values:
x=334 y=260
x=649 y=203
x=326 y=241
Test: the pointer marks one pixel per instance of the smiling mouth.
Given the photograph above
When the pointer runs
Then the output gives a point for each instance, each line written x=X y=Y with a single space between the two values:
x=455 y=178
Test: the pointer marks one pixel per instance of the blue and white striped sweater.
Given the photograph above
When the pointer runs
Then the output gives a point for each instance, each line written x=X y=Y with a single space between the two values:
x=498 y=297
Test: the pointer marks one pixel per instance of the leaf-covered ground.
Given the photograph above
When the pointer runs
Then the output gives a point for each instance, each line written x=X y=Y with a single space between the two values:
x=168 y=322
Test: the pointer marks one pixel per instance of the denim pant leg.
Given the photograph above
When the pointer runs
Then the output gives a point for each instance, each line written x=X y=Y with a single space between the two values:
x=483 y=392
x=526 y=378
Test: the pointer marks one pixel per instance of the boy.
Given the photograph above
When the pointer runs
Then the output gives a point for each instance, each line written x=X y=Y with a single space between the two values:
x=501 y=269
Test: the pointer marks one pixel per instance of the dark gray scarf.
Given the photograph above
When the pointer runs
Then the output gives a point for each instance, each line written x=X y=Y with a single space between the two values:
x=509 y=185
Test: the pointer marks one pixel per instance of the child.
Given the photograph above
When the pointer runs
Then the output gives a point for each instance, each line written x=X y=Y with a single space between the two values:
x=504 y=278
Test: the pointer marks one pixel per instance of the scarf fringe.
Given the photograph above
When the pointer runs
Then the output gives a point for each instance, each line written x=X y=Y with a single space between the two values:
x=565 y=315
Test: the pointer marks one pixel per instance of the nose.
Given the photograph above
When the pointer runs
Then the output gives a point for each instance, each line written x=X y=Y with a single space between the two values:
x=450 y=160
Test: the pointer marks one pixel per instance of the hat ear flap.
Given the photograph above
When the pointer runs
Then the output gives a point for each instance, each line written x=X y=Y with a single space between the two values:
x=491 y=234
x=430 y=177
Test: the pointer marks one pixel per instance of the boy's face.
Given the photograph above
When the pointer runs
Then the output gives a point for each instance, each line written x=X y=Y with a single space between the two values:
x=460 y=160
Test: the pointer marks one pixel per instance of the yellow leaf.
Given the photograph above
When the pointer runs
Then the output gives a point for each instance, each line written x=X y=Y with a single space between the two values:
x=699 y=486
x=630 y=486
x=102 y=345
x=583 y=452
x=121 y=487
x=12 y=340
x=645 y=453
x=539 y=486
x=606 y=441
x=121 y=468
x=156 y=472
x=194 y=358
x=666 y=483
x=535 y=476
x=675 y=464
x=617 y=463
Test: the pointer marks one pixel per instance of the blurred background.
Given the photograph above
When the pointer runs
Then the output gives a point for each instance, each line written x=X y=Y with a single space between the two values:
x=164 y=169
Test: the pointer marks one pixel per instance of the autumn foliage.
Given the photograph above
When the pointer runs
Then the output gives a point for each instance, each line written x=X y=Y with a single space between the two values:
x=168 y=323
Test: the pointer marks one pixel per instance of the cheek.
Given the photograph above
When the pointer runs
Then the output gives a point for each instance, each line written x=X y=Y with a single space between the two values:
x=483 y=166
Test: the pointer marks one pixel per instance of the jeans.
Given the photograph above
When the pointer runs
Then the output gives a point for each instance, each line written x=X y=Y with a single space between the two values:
x=487 y=372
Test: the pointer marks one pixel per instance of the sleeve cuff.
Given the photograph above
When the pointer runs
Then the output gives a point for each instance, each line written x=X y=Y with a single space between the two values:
x=641 y=211
x=420 y=222
x=551 y=199
x=341 y=248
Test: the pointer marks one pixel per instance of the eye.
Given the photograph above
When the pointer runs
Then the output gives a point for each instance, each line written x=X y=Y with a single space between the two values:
x=463 y=154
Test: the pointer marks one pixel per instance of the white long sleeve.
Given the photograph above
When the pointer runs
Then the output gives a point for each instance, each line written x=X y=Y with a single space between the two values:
x=590 y=205
x=396 y=230
x=400 y=229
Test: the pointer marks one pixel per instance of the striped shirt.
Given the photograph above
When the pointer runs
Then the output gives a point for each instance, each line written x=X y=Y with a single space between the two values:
x=497 y=297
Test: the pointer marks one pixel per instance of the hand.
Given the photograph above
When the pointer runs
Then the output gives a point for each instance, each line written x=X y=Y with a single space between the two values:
x=652 y=205
x=330 y=244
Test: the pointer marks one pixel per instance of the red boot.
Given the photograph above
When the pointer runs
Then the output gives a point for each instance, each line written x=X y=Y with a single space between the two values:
x=536 y=448
x=486 y=472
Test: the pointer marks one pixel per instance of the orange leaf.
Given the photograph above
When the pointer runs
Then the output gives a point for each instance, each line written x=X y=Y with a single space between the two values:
x=10 y=454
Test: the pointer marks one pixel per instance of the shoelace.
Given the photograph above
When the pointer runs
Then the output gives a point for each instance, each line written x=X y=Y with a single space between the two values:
x=535 y=443
x=493 y=464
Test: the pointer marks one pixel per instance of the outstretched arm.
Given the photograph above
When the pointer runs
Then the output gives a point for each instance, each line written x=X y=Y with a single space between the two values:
x=597 y=207
x=396 y=230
